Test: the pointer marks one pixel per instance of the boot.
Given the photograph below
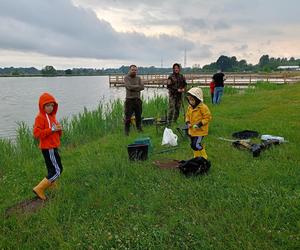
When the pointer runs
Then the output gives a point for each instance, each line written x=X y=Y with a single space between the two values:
x=196 y=153
x=200 y=153
x=39 y=190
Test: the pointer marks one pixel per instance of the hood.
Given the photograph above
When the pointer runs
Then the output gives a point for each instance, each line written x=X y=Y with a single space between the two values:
x=196 y=92
x=47 y=98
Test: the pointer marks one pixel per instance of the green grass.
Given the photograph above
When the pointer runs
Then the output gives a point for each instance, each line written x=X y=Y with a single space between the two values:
x=107 y=202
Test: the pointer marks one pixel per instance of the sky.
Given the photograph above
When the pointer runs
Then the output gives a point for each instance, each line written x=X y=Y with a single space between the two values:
x=112 y=33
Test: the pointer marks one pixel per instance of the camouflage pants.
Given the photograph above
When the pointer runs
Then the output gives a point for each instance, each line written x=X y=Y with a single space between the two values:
x=175 y=102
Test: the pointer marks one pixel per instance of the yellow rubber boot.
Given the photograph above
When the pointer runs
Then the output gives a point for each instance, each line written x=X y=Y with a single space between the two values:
x=200 y=153
x=39 y=190
x=203 y=154
x=196 y=153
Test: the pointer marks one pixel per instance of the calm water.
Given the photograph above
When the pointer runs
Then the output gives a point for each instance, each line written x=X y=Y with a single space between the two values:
x=19 y=97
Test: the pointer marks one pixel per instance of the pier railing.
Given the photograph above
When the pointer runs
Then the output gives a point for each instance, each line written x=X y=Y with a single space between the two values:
x=160 y=80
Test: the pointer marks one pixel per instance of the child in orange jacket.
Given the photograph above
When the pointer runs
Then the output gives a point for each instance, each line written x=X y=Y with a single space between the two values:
x=197 y=119
x=48 y=131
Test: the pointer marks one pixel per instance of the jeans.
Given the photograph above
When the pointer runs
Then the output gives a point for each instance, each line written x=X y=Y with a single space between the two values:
x=218 y=94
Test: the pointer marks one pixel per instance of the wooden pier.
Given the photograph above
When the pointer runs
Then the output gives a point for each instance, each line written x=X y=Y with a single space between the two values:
x=160 y=80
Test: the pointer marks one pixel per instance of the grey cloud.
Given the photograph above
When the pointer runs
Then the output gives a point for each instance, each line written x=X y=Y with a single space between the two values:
x=58 y=28
x=221 y=25
x=194 y=24
x=242 y=47
x=202 y=52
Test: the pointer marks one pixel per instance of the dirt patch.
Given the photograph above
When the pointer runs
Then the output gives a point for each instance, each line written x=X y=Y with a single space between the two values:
x=167 y=164
x=25 y=207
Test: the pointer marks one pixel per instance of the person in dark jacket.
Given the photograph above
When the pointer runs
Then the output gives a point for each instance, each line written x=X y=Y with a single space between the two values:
x=219 y=79
x=133 y=102
x=176 y=85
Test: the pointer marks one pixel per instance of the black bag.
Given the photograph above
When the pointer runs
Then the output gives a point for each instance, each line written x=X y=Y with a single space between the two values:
x=245 y=134
x=194 y=166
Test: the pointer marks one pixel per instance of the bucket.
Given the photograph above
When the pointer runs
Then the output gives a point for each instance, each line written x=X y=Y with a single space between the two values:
x=137 y=152
x=144 y=140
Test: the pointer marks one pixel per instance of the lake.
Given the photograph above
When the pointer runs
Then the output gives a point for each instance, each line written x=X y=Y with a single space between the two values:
x=19 y=97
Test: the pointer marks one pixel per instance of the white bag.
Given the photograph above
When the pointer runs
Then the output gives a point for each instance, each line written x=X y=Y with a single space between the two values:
x=169 y=137
x=272 y=137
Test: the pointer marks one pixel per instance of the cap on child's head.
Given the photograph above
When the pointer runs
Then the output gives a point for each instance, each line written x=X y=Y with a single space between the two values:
x=196 y=92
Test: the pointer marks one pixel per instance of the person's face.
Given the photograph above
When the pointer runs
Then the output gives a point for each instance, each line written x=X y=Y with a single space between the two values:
x=133 y=71
x=191 y=100
x=48 y=107
x=176 y=69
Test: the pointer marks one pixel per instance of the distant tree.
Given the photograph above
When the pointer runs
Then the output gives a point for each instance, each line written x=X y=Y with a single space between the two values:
x=68 y=72
x=225 y=63
x=264 y=60
x=15 y=73
x=49 y=71
x=125 y=69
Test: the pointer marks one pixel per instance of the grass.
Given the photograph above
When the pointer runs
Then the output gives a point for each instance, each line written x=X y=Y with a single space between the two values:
x=107 y=202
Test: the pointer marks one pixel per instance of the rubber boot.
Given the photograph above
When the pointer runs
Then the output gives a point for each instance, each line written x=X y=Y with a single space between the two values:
x=200 y=153
x=39 y=190
x=196 y=153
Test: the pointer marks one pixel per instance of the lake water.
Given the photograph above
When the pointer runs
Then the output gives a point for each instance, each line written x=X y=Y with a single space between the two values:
x=19 y=97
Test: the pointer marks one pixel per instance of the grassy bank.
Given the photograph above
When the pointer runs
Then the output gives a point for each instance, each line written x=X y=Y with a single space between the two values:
x=106 y=202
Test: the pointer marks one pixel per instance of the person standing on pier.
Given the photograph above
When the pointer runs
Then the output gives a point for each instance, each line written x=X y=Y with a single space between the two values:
x=176 y=85
x=133 y=102
x=219 y=79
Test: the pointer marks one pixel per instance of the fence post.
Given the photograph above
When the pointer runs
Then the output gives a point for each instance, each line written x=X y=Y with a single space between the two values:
x=284 y=79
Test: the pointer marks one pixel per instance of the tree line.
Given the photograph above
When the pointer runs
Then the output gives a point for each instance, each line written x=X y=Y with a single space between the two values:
x=225 y=63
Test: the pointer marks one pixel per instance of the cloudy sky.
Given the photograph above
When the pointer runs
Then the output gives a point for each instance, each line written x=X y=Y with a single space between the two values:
x=112 y=33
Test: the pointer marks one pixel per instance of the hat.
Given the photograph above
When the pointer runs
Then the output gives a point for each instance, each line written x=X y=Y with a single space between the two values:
x=196 y=92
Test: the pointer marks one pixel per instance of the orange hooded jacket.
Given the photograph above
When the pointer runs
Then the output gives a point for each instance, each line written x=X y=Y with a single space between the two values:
x=44 y=122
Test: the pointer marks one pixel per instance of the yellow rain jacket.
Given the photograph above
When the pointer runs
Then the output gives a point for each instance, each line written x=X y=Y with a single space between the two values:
x=198 y=114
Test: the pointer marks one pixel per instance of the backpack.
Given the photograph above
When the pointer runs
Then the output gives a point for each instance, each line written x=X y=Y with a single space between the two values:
x=194 y=166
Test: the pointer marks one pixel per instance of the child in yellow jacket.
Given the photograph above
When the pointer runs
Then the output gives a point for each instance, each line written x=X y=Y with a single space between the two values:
x=197 y=119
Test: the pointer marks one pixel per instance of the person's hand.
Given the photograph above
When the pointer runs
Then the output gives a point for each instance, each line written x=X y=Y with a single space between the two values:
x=199 y=125
x=58 y=127
x=188 y=125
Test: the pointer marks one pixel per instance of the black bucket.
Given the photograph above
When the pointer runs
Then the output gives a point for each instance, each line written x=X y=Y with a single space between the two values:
x=137 y=152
